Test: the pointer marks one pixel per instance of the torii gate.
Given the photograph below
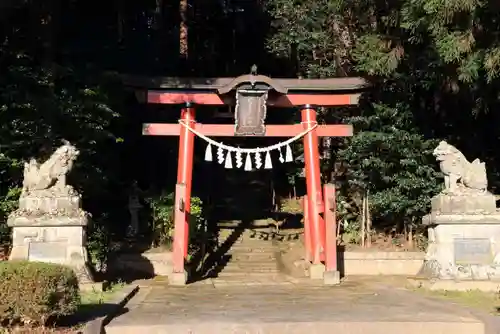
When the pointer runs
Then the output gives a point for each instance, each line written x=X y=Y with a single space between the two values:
x=251 y=95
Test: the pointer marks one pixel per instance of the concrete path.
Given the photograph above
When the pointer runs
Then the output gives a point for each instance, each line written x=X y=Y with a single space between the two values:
x=299 y=307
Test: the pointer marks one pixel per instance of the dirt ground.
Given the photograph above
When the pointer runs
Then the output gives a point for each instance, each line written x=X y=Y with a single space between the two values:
x=19 y=330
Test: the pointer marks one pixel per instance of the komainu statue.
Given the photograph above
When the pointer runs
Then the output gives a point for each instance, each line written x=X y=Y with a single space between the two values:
x=52 y=173
x=459 y=174
x=49 y=224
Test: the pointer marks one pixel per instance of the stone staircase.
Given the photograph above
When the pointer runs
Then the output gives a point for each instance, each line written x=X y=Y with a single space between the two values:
x=250 y=260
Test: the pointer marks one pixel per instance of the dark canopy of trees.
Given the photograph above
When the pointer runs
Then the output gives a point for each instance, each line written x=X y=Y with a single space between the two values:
x=434 y=66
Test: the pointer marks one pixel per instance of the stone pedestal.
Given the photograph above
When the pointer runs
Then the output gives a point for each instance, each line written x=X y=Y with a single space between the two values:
x=178 y=279
x=316 y=271
x=464 y=238
x=331 y=277
x=51 y=229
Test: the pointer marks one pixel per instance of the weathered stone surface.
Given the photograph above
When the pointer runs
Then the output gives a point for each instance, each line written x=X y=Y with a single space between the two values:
x=147 y=263
x=54 y=244
x=178 y=279
x=49 y=225
x=463 y=203
x=46 y=221
x=454 y=250
x=316 y=271
x=52 y=173
x=331 y=277
x=294 y=308
x=49 y=204
x=464 y=223
x=460 y=175
x=380 y=263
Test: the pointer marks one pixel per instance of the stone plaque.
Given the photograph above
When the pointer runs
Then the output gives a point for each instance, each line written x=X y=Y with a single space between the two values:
x=472 y=251
x=54 y=252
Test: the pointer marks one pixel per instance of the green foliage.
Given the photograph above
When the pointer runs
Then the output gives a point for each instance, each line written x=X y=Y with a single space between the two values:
x=392 y=163
x=32 y=292
x=42 y=103
x=163 y=208
x=291 y=205
x=8 y=203
x=196 y=215
x=163 y=218
x=98 y=244
x=388 y=157
x=312 y=31
x=434 y=63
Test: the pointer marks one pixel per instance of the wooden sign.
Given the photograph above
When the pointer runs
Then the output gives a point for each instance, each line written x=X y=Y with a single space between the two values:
x=250 y=112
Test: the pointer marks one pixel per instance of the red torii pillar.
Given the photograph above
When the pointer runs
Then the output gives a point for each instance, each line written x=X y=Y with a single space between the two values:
x=183 y=196
x=314 y=196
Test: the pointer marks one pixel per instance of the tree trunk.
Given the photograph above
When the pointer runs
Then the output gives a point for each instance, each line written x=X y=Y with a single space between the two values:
x=120 y=18
x=183 y=31
x=363 y=221
x=368 y=222
x=410 y=237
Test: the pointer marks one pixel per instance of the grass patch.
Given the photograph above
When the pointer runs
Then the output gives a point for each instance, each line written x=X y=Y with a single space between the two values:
x=100 y=297
x=486 y=301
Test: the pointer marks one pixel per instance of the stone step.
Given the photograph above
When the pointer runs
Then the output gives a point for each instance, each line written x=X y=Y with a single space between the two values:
x=255 y=283
x=252 y=258
x=252 y=244
x=252 y=264
x=250 y=267
x=247 y=239
x=245 y=271
x=256 y=224
x=250 y=249
x=246 y=276
x=258 y=235
x=292 y=327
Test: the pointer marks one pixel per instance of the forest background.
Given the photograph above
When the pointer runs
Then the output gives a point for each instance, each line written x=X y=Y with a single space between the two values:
x=434 y=66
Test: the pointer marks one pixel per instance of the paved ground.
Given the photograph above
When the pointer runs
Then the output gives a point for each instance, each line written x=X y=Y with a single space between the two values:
x=250 y=293
x=300 y=307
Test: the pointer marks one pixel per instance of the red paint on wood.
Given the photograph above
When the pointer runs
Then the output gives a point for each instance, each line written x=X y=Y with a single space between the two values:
x=331 y=228
x=183 y=98
x=185 y=164
x=307 y=230
x=289 y=100
x=227 y=130
x=313 y=182
x=180 y=230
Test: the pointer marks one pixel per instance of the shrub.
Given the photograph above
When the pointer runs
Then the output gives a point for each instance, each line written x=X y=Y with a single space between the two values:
x=33 y=292
x=163 y=217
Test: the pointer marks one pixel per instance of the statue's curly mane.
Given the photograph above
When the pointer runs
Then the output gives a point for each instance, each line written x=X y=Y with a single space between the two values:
x=446 y=150
x=63 y=155
x=51 y=172
x=458 y=171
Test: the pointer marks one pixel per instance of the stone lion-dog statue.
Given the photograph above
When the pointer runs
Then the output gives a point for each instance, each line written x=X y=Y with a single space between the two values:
x=460 y=174
x=52 y=173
